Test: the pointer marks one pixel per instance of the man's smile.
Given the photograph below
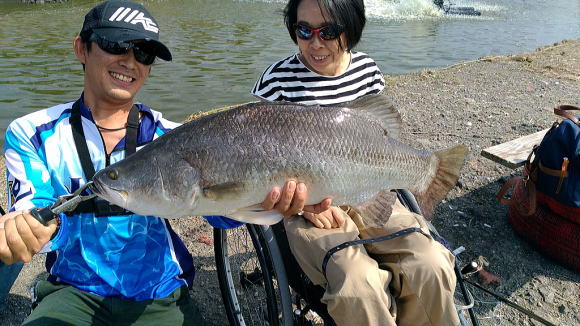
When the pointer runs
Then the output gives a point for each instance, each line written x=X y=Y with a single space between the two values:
x=121 y=77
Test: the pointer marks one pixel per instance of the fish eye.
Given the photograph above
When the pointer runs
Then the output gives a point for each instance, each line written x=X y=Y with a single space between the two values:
x=112 y=175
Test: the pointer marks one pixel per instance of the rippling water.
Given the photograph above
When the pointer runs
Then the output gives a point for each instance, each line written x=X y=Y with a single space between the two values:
x=221 y=46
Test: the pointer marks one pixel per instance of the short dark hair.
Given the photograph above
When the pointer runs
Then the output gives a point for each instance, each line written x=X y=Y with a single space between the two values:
x=350 y=13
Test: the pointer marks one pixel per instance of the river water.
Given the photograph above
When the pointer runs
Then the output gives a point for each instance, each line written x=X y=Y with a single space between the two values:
x=221 y=46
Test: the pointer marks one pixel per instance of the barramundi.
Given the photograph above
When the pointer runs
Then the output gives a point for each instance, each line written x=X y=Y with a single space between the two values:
x=227 y=162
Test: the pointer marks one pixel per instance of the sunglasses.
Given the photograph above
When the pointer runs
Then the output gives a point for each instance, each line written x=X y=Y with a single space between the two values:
x=144 y=53
x=325 y=33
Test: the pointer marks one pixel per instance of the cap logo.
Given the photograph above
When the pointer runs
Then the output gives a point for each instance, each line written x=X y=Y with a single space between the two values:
x=134 y=17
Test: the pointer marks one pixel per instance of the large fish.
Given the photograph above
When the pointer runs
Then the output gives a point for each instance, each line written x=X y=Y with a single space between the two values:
x=227 y=162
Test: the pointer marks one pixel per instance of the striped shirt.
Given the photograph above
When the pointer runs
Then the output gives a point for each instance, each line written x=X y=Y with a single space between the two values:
x=290 y=80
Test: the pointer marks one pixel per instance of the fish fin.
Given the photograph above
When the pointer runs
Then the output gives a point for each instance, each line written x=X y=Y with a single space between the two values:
x=255 y=214
x=450 y=163
x=223 y=191
x=376 y=212
x=382 y=108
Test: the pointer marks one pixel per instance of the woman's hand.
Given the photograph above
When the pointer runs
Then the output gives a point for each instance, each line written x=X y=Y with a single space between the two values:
x=331 y=218
x=22 y=236
x=291 y=198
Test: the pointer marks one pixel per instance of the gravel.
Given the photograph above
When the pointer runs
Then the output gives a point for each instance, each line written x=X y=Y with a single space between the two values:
x=479 y=103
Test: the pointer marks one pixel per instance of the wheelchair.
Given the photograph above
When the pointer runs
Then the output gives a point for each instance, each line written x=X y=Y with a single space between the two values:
x=261 y=282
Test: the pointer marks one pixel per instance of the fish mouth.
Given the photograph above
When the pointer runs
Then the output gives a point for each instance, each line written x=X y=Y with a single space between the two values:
x=115 y=196
x=122 y=193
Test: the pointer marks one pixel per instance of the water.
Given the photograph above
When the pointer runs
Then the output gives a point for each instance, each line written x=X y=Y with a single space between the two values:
x=221 y=46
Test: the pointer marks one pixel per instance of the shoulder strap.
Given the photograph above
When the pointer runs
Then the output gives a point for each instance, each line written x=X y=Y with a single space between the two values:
x=80 y=141
x=132 y=130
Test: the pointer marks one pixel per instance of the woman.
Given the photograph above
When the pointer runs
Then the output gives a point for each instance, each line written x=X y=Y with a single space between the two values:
x=415 y=283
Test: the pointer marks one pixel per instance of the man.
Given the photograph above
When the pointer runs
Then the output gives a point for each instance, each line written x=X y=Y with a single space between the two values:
x=106 y=265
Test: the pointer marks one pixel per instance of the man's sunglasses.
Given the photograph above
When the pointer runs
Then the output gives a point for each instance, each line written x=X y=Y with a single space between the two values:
x=143 y=52
x=325 y=33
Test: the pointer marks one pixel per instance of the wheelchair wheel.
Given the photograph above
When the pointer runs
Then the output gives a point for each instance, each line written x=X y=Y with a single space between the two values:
x=252 y=278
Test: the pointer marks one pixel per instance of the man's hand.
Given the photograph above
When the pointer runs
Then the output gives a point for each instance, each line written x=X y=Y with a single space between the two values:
x=291 y=198
x=331 y=218
x=22 y=236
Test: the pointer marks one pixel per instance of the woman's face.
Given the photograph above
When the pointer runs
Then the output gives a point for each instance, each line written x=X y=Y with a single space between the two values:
x=324 y=57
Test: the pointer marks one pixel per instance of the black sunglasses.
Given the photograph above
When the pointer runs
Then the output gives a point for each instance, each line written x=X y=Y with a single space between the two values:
x=325 y=33
x=143 y=51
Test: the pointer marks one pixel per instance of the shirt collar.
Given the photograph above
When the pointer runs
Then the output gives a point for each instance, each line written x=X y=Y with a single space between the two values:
x=86 y=111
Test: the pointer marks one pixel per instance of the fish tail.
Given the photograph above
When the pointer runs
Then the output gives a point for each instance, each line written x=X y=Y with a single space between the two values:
x=450 y=163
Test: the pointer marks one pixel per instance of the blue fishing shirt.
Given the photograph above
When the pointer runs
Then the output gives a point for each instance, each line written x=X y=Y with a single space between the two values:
x=131 y=256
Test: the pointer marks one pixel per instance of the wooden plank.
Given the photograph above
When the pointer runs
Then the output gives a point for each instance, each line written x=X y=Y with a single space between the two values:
x=514 y=153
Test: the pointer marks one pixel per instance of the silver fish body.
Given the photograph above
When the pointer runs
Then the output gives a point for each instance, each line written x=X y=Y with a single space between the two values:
x=227 y=162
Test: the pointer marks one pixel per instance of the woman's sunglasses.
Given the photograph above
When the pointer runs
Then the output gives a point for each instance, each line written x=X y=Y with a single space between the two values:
x=143 y=52
x=325 y=33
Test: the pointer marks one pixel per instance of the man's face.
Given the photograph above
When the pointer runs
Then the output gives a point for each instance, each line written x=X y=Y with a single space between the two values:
x=110 y=77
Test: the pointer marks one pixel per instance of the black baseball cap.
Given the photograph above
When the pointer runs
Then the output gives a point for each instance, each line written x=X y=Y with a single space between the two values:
x=124 y=21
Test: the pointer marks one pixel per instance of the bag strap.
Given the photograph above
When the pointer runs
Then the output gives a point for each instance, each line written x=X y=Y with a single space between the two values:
x=528 y=178
x=562 y=173
x=561 y=110
x=504 y=189
x=80 y=142
x=531 y=190
x=131 y=131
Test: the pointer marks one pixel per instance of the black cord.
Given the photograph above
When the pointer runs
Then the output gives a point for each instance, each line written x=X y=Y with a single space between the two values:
x=111 y=129
x=511 y=304
x=460 y=281
x=2 y=212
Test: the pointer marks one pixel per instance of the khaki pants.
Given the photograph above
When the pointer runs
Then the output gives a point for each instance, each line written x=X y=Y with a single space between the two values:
x=411 y=282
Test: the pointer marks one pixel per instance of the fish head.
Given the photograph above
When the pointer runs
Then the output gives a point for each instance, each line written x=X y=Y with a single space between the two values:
x=159 y=185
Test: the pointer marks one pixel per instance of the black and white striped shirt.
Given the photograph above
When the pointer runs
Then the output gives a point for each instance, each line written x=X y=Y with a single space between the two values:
x=290 y=80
